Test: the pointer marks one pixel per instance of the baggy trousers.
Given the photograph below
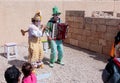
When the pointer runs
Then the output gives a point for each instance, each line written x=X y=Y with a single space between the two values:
x=56 y=45
x=35 y=50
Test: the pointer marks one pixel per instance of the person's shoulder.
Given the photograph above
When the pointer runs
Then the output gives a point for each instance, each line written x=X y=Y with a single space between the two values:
x=27 y=79
x=33 y=74
x=32 y=26
x=50 y=20
x=110 y=63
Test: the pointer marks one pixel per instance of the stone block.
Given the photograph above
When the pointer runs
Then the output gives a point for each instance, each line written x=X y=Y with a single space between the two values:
x=113 y=22
x=74 y=36
x=76 y=24
x=90 y=39
x=86 y=33
x=83 y=38
x=95 y=34
x=109 y=43
x=102 y=42
x=70 y=18
x=96 y=48
x=69 y=35
x=70 y=23
x=79 y=19
x=75 y=13
x=71 y=30
x=99 y=21
x=109 y=36
x=106 y=50
x=101 y=28
x=83 y=44
x=88 y=27
x=74 y=42
x=93 y=27
x=112 y=29
x=67 y=40
x=79 y=37
x=81 y=26
x=95 y=41
x=77 y=31
x=88 y=20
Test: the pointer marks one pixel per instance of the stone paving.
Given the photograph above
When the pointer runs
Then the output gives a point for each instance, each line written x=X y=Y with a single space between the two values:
x=81 y=66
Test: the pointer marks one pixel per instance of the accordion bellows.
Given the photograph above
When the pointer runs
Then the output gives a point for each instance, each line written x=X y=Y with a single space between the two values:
x=59 y=31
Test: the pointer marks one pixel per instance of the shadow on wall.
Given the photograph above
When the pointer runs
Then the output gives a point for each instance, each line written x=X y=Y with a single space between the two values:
x=92 y=54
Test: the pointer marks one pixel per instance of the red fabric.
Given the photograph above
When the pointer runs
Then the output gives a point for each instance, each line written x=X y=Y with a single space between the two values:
x=62 y=31
x=116 y=62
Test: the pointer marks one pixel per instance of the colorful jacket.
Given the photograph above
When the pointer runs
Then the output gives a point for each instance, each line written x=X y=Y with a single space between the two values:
x=34 y=31
x=50 y=26
x=111 y=73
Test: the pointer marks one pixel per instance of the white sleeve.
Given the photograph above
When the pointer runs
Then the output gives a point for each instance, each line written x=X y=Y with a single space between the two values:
x=47 y=33
x=36 y=33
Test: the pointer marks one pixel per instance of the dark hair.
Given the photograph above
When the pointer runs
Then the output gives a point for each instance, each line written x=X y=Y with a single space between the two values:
x=32 y=20
x=27 y=69
x=12 y=74
x=117 y=39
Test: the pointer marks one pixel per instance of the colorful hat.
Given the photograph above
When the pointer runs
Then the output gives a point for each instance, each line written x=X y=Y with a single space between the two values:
x=36 y=18
x=56 y=11
x=38 y=13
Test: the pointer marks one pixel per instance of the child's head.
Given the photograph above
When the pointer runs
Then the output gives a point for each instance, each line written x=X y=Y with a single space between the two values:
x=27 y=69
x=12 y=75
x=117 y=50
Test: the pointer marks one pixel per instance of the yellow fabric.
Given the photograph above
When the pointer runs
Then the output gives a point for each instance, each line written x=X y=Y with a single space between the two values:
x=44 y=39
x=35 y=50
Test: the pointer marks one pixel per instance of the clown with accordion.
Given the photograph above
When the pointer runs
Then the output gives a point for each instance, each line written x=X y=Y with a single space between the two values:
x=56 y=32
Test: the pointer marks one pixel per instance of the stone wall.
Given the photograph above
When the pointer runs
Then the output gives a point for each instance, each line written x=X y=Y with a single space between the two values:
x=95 y=34
x=17 y=14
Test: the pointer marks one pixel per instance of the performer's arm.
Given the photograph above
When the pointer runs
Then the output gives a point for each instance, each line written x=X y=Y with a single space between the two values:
x=23 y=32
x=48 y=30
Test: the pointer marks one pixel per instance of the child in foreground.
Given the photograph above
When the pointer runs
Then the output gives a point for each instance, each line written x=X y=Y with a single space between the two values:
x=111 y=73
x=12 y=75
x=29 y=74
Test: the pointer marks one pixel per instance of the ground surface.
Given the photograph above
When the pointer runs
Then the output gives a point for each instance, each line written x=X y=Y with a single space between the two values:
x=81 y=66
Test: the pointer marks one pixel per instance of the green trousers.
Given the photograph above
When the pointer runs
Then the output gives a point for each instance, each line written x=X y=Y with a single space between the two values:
x=56 y=46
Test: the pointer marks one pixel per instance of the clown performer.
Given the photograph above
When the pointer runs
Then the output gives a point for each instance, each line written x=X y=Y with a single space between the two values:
x=55 y=45
x=38 y=13
x=35 y=45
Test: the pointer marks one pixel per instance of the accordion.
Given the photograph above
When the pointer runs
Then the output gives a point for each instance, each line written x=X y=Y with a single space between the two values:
x=59 y=31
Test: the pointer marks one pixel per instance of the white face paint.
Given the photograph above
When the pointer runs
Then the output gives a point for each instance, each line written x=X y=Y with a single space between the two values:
x=38 y=23
x=56 y=17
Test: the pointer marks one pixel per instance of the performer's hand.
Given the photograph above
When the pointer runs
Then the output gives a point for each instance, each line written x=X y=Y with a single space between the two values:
x=49 y=38
x=23 y=32
x=44 y=28
x=42 y=25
